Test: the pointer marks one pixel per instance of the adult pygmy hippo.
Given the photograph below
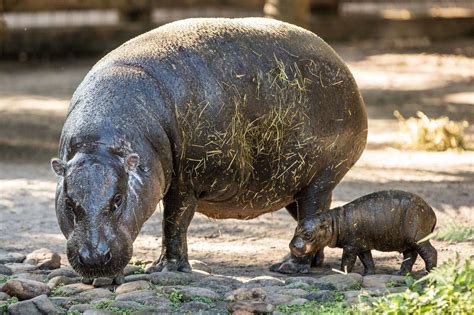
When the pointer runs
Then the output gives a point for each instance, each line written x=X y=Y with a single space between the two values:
x=390 y=220
x=233 y=118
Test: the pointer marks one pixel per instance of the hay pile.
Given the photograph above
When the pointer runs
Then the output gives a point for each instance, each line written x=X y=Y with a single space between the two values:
x=424 y=133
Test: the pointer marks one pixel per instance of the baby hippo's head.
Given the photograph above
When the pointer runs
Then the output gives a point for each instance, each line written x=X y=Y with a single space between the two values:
x=311 y=235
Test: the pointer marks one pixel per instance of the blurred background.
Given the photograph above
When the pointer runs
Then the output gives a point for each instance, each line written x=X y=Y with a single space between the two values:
x=412 y=59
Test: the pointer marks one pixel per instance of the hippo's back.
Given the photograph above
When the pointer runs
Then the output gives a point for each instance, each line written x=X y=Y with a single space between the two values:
x=256 y=109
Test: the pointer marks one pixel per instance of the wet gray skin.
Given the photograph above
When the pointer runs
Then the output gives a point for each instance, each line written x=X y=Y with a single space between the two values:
x=233 y=118
x=390 y=220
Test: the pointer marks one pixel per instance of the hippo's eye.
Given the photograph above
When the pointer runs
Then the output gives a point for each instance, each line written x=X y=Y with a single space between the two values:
x=69 y=205
x=307 y=235
x=117 y=201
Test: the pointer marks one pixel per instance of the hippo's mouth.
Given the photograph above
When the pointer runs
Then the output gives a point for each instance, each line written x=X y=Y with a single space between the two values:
x=112 y=269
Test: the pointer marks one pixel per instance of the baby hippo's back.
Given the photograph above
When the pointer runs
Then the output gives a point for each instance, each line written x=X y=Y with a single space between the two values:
x=386 y=221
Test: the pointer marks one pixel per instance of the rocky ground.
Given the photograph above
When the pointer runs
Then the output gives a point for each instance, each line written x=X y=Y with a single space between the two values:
x=37 y=284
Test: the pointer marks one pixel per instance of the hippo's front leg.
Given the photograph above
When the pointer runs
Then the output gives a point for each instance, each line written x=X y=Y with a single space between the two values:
x=349 y=256
x=179 y=208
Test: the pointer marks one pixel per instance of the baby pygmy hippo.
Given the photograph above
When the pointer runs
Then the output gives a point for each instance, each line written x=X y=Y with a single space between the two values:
x=390 y=220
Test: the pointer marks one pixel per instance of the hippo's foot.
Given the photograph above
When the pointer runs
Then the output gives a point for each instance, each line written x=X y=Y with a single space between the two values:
x=120 y=279
x=164 y=264
x=291 y=264
x=318 y=259
x=87 y=280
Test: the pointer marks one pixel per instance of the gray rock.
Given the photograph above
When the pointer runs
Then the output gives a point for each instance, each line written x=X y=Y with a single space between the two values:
x=175 y=278
x=11 y=258
x=250 y=307
x=100 y=282
x=133 y=270
x=64 y=272
x=44 y=258
x=199 y=265
x=287 y=291
x=126 y=305
x=343 y=282
x=241 y=294
x=156 y=310
x=4 y=296
x=61 y=301
x=61 y=280
x=4 y=270
x=298 y=301
x=25 y=289
x=279 y=299
x=309 y=282
x=132 y=278
x=98 y=312
x=72 y=289
x=37 y=305
x=383 y=281
x=142 y=297
x=194 y=307
x=189 y=293
x=133 y=286
x=19 y=268
x=31 y=276
x=321 y=296
x=94 y=294
x=264 y=281
x=80 y=307
x=219 y=284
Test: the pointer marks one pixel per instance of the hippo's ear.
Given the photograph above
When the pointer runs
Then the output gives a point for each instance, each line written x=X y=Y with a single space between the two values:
x=58 y=166
x=131 y=162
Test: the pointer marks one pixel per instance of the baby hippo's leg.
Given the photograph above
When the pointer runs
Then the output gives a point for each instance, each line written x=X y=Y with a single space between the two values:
x=428 y=253
x=368 y=262
x=409 y=258
x=349 y=256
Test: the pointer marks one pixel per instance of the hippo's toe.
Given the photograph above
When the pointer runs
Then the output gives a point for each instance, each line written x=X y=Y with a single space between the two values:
x=291 y=265
x=163 y=264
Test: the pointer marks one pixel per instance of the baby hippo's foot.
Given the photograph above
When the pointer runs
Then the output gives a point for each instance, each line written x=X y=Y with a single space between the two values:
x=291 y=265
x=119 y=279
x=166 y=264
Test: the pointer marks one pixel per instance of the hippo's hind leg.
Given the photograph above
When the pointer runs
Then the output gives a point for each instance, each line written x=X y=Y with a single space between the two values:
x=409 y=258
x=308 y=203
x=428 y=253
x=292 y=264
x=179 y=208
x=368 y=262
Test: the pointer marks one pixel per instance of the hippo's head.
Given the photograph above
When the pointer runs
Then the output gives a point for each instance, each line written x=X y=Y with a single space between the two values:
x=312 y=235
x=97 y=210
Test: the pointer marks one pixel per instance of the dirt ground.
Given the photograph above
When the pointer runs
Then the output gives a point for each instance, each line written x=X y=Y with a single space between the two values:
x=436 y=78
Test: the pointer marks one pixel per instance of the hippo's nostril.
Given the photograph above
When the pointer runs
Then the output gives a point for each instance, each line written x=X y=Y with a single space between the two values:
x=107 y=257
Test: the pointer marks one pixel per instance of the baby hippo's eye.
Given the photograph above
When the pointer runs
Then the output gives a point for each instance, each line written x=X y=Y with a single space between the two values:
x=116 y=201
x=307 y=235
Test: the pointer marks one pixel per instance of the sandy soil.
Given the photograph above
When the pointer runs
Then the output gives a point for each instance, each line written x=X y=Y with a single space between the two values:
x=409 y=76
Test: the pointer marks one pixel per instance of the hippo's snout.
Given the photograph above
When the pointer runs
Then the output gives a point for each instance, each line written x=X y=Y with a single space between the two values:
x=298 y=246
x=94 y=259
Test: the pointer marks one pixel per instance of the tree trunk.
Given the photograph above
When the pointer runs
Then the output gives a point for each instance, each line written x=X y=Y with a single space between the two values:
x=292 y=11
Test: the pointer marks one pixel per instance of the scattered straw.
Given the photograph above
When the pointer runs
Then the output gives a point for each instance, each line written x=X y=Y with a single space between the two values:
x=424 y=133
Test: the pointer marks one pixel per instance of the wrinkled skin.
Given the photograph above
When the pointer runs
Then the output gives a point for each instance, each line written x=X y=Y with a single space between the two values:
x=386 y=221
x=233 y=118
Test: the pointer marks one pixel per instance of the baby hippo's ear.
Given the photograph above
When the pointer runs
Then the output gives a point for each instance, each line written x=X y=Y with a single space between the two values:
x=131 y=162
x=58 y=166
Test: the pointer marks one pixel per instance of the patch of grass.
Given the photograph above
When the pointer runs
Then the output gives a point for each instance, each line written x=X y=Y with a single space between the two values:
x=455 y=232
x=432 y=134
x=102 y=304
x=75 y=312
x=176 y=298
x=448 y=289
x=4 y=305
x=57 y=291
x=313 y=307
x=140 y=271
